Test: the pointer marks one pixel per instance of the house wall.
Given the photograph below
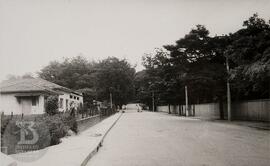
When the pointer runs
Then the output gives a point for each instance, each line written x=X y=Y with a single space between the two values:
x=69 y=100
x=78 y=100
x=39 y=109
x=65 y=97
x=9 y=104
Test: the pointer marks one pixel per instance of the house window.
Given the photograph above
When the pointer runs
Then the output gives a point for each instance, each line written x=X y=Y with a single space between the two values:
x=77 y=98
x=71 y=96
x=34 y=101
x=61 y=103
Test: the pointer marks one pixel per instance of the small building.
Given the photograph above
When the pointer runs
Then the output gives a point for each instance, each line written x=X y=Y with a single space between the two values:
x=29 y=95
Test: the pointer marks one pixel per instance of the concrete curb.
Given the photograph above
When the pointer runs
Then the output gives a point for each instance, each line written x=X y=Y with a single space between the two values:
x=95 y=150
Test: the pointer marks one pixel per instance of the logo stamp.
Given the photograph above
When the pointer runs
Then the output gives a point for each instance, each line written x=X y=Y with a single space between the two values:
x=26 y=140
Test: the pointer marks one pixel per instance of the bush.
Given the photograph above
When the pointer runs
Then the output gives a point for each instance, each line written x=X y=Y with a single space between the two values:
x=83 y=110
x=11 y=135
x=59 y=125
x=57 y=128
x=71 y=122
x=50 y=129
x=51 y=105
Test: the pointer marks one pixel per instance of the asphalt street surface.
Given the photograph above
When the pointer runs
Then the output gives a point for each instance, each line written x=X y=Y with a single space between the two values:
x=159 y=139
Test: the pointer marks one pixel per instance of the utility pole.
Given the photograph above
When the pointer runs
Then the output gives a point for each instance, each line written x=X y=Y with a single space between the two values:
x=228 y=92
x=186 y=96
x=153 y=101
x=111 y=100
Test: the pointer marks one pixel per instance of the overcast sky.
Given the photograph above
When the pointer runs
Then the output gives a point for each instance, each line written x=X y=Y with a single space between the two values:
x=34 y=32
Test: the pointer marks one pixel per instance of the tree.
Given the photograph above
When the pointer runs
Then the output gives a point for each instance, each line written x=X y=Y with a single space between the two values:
x=198 y=62
x=115 y=76
x=249 y=54
x=74 y=73
x=89 y=94
x=159 y=81
x=142 y=93
x=94 y=79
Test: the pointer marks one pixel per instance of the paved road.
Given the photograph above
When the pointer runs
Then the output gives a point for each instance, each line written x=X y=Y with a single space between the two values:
x=157 y=139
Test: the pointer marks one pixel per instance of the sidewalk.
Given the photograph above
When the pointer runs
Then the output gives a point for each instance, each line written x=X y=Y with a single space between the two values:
x=74 y=150
x=252 y=124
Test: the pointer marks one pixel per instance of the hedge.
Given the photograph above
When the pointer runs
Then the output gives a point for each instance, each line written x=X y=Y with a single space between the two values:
x=50 y=130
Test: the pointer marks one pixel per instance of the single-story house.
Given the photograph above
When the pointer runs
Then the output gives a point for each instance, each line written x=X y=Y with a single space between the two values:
x=29 y=95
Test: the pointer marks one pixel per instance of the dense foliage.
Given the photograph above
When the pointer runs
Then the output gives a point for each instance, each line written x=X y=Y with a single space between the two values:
x=96 y=80
x=49 y=128
x=198 y=61
x=51 y=105
x=116 y=77
x=249 y=52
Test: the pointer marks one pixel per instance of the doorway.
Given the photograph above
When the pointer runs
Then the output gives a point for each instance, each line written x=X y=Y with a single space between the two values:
x=26 y=106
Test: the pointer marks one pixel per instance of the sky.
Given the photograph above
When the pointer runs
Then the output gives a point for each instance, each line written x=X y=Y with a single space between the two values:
x=35 y=32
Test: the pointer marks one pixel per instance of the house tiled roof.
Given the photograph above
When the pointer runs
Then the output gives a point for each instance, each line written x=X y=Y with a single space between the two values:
x=32 y=85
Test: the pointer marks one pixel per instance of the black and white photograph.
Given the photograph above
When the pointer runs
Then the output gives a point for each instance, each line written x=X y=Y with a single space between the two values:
x=135 y=82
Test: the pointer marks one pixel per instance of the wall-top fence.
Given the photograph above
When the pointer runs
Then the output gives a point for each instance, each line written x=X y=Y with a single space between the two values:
x=255 y=110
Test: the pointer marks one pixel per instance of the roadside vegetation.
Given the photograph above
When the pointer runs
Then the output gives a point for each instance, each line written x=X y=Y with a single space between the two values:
x=198 y=61
x=96 y=80
x=50 y=127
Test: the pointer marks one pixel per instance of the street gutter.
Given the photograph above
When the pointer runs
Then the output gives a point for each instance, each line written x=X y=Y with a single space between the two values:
x=96 y=149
